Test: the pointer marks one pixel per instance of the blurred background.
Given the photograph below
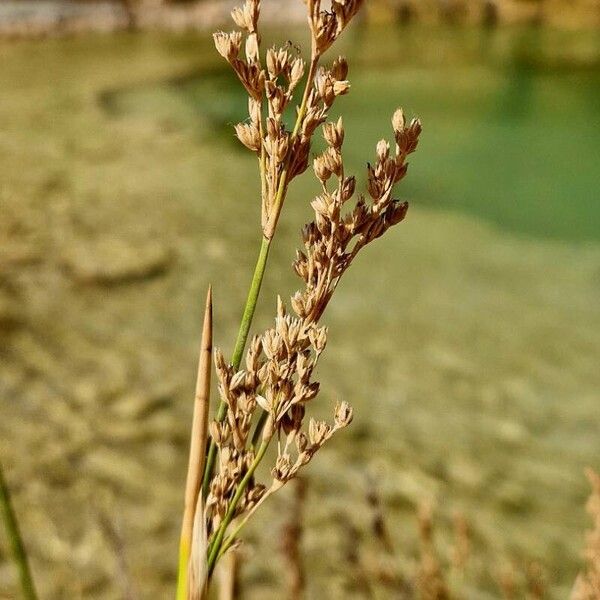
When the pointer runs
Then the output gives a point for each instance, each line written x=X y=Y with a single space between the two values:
x=468 y=340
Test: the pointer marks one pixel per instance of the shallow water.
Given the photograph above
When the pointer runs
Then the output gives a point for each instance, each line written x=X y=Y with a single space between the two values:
x=467 y=339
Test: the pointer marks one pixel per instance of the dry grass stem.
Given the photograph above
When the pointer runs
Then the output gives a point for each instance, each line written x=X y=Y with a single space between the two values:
x=197 y=567
x=199 y=438
x=378 y=524
x=228 y=576
x=291 y=544
x=461 y=550
x=430 y=581
x=507 y=583
x=113 y=535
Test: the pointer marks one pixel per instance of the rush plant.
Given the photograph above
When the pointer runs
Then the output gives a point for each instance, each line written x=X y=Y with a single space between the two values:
x=266 y=390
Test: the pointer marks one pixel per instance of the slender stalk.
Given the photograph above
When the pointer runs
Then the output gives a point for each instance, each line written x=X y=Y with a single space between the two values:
x=240 y=344
x=228 y=578
x=260 y=423
x=215 y=547
x=197 y=449
x=16 y=541
x=230 y=539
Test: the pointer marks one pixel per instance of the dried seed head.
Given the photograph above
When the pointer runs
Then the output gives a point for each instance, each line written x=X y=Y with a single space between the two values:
x=254 y=495
x=271 y=344
x=237 y=381
x=295 y=73
x=228 y=44
x=398 y=120
x=299 y=305
x=324 y=85
x=277 y=61
x=246 y=16
x=348 y=186
x=318 y=432
x=273 y=128
x=219 y=432
x=298 y=412
x=341 y=88
x=301 y=441
x=318 y=338
x=277 y=98
x=254 y=111
x=249 y=135
x=343 y=414
x=279 y=364
x=321 y=170
x=252 y=48
x=326 y=26
x=333 y=160
x=283 y=468
x=383 y=150
x=252 y=77
x=339 y=69
x=407 y=138
x=334 y=133
x=220 y=363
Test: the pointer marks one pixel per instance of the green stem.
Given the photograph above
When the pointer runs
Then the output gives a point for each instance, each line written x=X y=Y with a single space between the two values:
x=260 y=423
x=215 y=547
x=240 y=344
x=250 y=307
x=15 y=541
x=231 y=538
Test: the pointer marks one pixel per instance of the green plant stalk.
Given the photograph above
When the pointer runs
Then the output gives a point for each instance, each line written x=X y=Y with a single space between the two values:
x=16 y=541
x=230 y=539
x=240 y=344
x=215 y=546
x=260 y=423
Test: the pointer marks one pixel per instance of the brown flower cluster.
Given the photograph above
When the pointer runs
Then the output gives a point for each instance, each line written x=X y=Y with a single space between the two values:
x=326 y=25
x=334 y=238
x=267 y=398
x=283 y=153
x=277 y=379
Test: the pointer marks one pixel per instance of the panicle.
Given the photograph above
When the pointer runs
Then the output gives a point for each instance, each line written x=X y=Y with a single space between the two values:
x=269 y=396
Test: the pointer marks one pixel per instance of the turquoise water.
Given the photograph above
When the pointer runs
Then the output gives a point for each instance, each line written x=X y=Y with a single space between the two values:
x=511 y=120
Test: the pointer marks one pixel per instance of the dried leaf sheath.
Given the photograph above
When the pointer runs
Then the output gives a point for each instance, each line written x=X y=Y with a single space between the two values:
x=197 y=446
x=197 y=587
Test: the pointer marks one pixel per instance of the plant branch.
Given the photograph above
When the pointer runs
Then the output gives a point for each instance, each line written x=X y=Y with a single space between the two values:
x=248 y=315
x=215 y=546
x=234 y=534
x=278 y=202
